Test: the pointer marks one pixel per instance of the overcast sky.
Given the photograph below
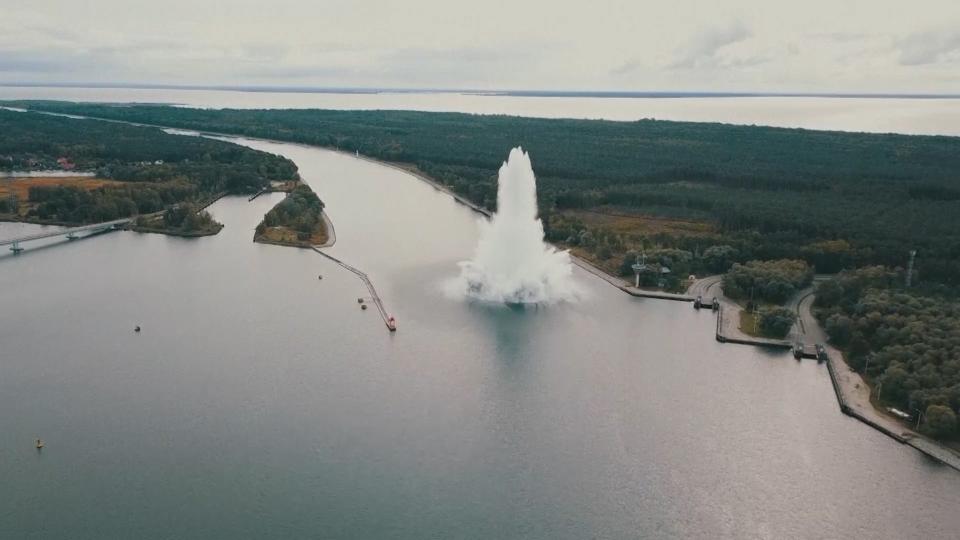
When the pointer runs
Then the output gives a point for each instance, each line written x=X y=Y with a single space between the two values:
x=687 y=45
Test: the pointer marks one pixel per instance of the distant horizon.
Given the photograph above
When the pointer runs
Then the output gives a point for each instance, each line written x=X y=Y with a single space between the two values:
x=475 y=91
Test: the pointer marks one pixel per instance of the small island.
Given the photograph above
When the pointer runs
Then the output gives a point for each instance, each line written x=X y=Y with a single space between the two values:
x=297 y=220
x=185 y=219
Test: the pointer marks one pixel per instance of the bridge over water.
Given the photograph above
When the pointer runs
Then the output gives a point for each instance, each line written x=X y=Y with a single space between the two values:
x=69 y=233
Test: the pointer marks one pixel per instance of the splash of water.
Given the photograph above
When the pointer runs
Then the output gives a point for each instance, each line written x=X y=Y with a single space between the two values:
x=512 y=263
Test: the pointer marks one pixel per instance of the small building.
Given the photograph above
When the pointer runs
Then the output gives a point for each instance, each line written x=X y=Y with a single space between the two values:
x=664 y=274
x=66 y=164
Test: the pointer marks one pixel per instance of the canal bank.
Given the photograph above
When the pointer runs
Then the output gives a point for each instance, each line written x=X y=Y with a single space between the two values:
x=852 y=392
x=853 y=396
x=728 y=331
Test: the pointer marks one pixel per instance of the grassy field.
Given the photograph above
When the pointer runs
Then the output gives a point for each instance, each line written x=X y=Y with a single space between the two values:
x=748 y=321
x=286 y=236
x=21 y=186
x=619 y=222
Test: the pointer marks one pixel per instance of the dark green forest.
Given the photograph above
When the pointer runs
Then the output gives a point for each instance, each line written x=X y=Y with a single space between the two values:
x=907 y=343
x=774 y=282
x=301 y=211
x=780 y=191
x=159 y=169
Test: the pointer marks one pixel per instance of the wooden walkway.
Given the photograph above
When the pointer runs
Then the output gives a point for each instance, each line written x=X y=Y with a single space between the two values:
x=366 y=280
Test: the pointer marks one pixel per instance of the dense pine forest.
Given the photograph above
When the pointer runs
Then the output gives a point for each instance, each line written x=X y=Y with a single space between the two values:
x=782 y=193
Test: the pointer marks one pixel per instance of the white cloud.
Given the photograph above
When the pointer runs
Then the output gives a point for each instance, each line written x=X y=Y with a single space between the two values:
x=705 y=47
x=930 y=48
x=817 y=45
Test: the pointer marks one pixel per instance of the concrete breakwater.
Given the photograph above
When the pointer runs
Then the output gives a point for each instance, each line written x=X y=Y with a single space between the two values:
x=374 y=297
x=618 y=283
x=836 y=387
x=865 y=412
x=860 y=409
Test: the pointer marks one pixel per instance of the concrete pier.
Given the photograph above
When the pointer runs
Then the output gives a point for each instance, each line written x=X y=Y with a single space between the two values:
x=366 y=280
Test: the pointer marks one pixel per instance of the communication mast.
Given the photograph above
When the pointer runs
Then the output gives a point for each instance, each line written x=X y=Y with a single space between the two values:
x=639 y=266
x=913 y=255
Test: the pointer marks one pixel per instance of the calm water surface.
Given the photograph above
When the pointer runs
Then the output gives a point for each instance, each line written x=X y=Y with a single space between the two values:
x=916 y=116
x=261 y=402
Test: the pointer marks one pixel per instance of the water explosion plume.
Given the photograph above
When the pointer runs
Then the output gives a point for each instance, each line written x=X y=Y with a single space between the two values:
x=512 y=263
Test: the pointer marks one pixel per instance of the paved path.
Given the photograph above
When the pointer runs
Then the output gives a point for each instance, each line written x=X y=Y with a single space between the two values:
x=622 y=285
x=854 y=393
x=728 y=323
x=707 y=287
x=806 y=329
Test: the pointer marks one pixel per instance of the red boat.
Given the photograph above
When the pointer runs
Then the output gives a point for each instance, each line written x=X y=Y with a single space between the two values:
x=392 y=323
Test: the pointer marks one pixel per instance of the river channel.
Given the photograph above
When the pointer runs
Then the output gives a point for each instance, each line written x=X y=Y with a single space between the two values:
x=259 y=401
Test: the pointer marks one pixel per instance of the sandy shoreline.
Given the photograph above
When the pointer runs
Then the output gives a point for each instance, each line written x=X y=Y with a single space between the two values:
x=331 y=232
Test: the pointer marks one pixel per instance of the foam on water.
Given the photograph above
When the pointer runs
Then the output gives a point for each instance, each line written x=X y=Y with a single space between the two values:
x=512 y=263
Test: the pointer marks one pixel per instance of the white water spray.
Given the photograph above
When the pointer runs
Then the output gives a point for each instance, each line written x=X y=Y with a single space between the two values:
x=512 y=263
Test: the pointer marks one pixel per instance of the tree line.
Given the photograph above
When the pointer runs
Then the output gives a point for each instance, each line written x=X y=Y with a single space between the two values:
x=794 y=198
x=906 y=342
x=301 y=210
x=836 y=200
x=159 y=169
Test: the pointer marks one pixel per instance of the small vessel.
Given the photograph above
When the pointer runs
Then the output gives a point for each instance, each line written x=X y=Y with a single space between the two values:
x=392 y=323
x=39 y=444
